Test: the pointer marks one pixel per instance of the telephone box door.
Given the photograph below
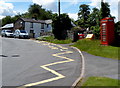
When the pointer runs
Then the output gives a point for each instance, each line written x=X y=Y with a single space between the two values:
x=107 y=31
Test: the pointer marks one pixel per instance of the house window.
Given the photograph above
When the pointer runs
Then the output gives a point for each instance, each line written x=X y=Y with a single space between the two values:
x=31 y=31
x=31 y=25
x=42 y=31
x=47 y=25
x=42 y=26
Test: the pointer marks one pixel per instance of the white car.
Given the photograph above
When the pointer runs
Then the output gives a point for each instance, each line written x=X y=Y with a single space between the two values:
x=6 y=33
x=20 y=34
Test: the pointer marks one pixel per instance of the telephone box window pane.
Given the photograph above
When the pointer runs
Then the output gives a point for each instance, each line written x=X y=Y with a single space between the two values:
x=104 y=33
x=103 y=37
x=110 y=20
x=104 y=24
x=104 y=40
x=105 y=20
x=103 y=29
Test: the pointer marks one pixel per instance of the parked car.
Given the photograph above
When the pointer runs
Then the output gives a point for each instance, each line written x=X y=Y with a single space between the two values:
x=6 y=33
x=20 y=34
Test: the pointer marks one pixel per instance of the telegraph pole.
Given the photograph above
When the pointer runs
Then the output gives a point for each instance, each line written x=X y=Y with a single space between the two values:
x=59 y=7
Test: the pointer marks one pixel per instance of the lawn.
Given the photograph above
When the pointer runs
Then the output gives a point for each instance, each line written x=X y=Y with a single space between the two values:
x=101 y=81
x=89 y=46
x=94 y=47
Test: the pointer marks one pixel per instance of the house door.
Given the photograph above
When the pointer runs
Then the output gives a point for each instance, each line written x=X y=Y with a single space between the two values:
x=32 y=34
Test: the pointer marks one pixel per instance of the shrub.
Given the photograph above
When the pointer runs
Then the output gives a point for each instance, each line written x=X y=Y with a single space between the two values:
x=96 y=32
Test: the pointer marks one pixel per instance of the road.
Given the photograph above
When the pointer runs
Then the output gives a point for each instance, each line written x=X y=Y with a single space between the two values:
x=32 y=63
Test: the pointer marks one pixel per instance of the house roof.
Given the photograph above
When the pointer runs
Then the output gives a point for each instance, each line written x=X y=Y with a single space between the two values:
x=48 y=21
x=36 y=21
x=8 y=26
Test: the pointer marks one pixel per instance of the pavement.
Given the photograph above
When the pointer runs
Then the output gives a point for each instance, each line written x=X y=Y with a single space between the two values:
x=27 y=63
x=100 y=66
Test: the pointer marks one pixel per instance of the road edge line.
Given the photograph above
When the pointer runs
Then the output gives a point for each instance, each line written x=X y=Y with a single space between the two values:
x=83 y=68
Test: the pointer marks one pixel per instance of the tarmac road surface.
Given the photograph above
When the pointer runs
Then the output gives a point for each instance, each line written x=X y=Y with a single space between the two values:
x=27 y=63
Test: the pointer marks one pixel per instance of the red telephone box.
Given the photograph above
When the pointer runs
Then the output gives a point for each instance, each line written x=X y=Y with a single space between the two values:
x=107 y=31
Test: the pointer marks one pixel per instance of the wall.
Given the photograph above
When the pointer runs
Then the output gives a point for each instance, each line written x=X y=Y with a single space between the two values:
x=49 y=28
x=27 y=27
x=18 y=24
x=36 y=28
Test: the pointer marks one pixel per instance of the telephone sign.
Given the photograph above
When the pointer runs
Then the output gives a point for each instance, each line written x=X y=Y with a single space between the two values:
x=107 y=31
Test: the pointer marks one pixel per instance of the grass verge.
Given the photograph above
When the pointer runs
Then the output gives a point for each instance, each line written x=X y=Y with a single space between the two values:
x=89 y=46
x=101 y=81
x=94 y=47
x=53 y=40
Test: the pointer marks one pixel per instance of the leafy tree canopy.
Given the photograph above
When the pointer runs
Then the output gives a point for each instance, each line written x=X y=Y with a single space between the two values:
x=6 y=20
x=94 y=17
x=83 y=15
x=61 y=25
x=34 y=10
x=38 y=12
x=105 y=10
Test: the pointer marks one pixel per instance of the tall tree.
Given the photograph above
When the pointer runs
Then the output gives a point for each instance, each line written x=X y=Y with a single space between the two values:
x=6 y=20
x=34 y=10
x=117 y=33
x=94 y=17
x=16 y=17
x=38 y=12
x=61 y=25
x=105 y=10
x=83 y=15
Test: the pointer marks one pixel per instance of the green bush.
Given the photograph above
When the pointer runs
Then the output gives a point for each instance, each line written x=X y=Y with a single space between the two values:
x=60 y=25
x=96 y=32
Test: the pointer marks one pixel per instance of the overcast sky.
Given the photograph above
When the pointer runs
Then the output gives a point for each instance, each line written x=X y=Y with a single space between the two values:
x=12 y=7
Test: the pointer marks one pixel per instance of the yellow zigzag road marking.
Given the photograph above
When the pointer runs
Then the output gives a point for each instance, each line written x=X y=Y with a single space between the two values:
x=52 y=47
x=46 y=43
x=59 y=76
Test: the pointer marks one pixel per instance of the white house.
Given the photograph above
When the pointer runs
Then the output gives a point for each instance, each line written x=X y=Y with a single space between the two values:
x=32 y=26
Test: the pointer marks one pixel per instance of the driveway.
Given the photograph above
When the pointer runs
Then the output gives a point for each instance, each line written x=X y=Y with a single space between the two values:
x=33 y=63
